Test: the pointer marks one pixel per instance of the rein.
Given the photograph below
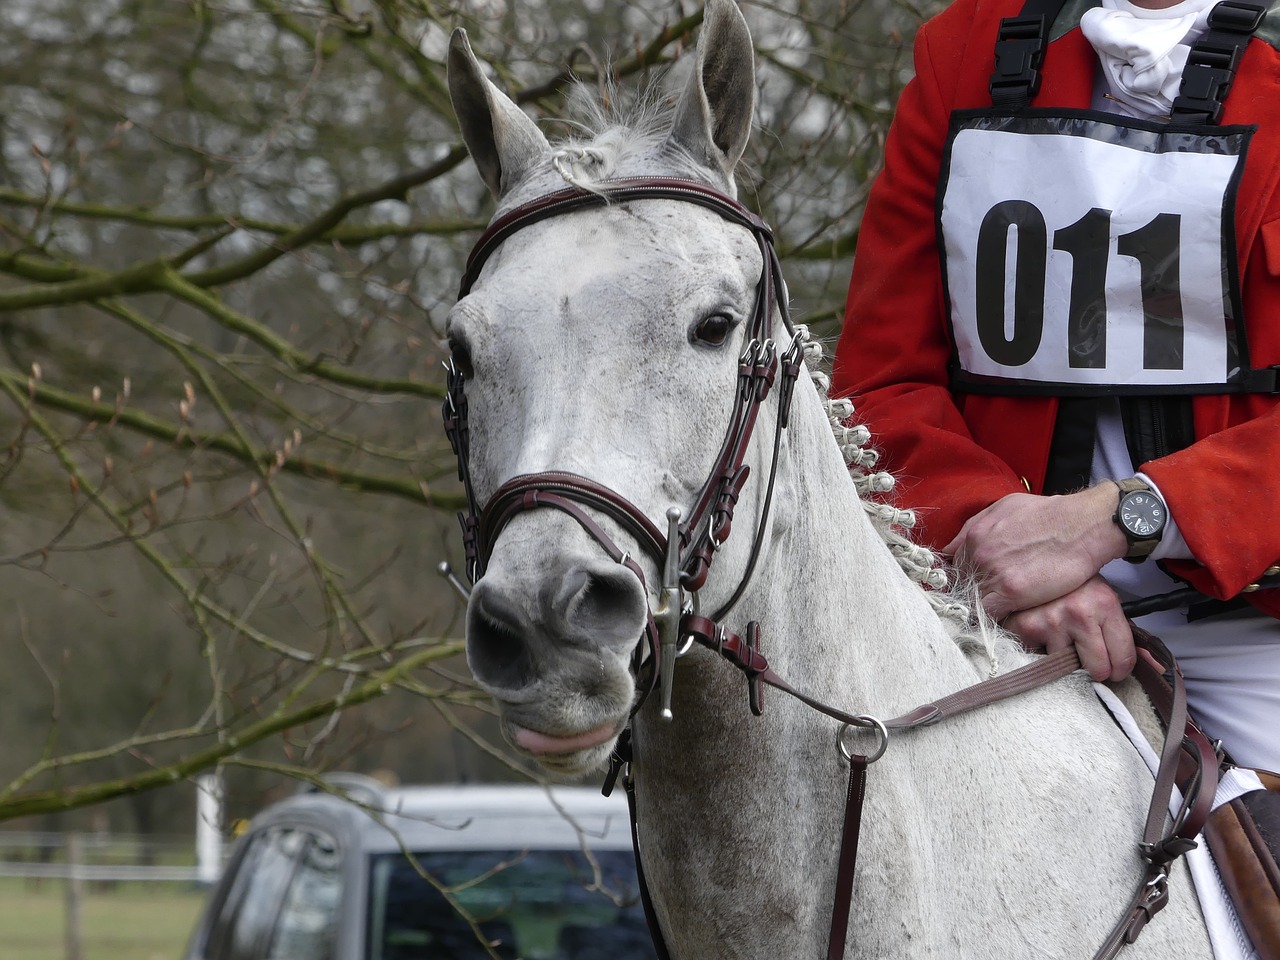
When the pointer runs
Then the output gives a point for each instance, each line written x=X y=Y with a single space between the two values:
x=685 y=551
x=1187 y=760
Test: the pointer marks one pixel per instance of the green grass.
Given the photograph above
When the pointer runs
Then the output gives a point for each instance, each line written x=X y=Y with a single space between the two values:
x=133 y=921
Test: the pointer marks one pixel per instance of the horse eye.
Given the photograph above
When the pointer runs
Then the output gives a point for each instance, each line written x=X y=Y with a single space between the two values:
x=713 y=330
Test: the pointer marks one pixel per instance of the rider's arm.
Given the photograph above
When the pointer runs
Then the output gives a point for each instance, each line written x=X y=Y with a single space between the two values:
x=895 y=348
x=1224 y=491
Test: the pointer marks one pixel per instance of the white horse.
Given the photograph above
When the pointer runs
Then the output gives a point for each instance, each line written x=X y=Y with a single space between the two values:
x=604 y=342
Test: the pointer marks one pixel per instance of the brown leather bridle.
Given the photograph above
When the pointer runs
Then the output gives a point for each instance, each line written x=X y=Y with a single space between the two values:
x=685 y=552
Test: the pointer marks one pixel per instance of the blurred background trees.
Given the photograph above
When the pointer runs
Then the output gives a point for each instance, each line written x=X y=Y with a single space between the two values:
x=227 y=230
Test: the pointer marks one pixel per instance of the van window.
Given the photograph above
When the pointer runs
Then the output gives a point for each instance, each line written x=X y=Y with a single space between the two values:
x=283 y=902
x=535 y=905
x=306 y=928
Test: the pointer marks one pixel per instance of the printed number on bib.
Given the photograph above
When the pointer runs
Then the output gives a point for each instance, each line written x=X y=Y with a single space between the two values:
x=1011 y=329
x=1085 y=263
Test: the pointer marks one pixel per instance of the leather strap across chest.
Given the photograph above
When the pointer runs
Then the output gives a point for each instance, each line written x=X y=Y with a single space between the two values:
x=1187 y=761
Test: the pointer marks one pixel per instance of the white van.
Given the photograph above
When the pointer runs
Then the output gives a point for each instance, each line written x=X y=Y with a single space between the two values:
x=430 y=873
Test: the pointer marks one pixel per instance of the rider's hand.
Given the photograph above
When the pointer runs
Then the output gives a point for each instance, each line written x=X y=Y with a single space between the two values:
x=1028 y=550
x=1088 y=617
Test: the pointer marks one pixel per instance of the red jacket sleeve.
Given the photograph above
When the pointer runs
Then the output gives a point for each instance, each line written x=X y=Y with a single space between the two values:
x=895 y=348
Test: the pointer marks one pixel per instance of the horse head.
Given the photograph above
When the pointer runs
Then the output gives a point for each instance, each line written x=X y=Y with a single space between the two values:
x=602 y=343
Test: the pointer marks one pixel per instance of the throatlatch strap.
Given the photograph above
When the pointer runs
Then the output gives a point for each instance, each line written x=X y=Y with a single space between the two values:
x=620 y=763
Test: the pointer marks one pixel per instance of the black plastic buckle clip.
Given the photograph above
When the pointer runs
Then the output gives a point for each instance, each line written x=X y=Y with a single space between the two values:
x=1262 y=380
x=1213 y=61
x=1233 y=17
x=1020 y=46
x=1204 y=88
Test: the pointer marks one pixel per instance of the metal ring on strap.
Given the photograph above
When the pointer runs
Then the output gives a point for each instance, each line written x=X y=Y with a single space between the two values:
x=869 y=722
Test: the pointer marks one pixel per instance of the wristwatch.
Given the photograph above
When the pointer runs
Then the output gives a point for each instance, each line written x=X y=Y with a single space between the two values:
x=1141 y=516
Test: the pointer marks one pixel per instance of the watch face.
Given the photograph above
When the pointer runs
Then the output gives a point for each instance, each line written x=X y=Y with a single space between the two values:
x=1142 y=514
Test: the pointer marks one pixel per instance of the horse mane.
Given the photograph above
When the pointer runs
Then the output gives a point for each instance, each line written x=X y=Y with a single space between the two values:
x=608 y=127
x=954 y=598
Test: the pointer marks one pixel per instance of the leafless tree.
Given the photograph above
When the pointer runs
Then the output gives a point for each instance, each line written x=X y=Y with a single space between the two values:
x=226 y=229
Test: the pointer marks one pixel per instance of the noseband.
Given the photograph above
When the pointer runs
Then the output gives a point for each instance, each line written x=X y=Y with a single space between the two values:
x=685 y=551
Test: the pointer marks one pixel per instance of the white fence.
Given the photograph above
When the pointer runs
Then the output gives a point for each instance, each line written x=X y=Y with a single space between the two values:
x=78 y=859
x=78 y=862
x=101 y=857
x=112 y=857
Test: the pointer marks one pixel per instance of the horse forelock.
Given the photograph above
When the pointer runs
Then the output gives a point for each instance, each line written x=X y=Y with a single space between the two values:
x=614 y=133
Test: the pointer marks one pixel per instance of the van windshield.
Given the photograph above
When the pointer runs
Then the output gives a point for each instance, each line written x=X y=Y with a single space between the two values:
x=534 y=905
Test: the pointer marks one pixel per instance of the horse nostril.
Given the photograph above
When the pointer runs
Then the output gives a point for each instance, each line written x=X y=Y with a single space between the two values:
x=586 y=609
x=604 y=606
x=496 y=652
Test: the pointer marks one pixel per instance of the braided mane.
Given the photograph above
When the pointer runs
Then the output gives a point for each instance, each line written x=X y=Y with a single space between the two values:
x=955 y=603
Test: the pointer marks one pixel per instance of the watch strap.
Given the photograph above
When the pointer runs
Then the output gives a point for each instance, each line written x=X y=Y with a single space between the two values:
x=1132 y=484
x=1139 y=550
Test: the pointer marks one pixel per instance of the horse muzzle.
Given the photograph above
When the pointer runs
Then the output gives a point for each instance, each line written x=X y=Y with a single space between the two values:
x=552 y=636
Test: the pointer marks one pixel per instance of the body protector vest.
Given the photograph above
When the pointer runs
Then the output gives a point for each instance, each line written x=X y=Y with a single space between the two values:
x=1091 y=255
x=1100 y=260
x=1087 y=255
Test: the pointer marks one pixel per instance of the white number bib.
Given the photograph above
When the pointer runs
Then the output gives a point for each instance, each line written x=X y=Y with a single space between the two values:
x=1089 y=254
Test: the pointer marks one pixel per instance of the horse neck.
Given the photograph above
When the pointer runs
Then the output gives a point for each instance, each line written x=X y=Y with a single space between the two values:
x=842 y=612
x=740 y=815
x=841 y=622
x=837 y=615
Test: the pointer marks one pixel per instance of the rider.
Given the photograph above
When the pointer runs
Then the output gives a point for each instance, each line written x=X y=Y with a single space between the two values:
x=1063 y=327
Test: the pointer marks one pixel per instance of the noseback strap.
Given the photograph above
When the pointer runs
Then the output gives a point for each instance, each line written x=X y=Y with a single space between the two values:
x=562 y=490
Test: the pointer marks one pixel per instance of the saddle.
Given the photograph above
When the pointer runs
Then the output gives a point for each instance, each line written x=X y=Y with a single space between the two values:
x=1243 y=835
x=1244 y=838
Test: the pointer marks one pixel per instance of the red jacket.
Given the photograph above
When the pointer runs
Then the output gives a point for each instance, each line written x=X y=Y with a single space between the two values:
x=954 y=455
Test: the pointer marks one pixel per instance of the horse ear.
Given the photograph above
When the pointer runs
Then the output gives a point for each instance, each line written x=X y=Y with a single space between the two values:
x=713 y=118
x=502 y=140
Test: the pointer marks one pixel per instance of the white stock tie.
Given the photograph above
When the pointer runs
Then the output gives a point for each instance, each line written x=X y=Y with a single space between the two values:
x=1143 y=51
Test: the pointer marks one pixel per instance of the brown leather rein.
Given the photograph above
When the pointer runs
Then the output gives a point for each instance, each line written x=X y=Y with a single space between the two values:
x=685 y=552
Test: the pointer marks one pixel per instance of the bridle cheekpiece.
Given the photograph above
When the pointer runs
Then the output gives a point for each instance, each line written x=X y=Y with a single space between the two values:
x=683 y=552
